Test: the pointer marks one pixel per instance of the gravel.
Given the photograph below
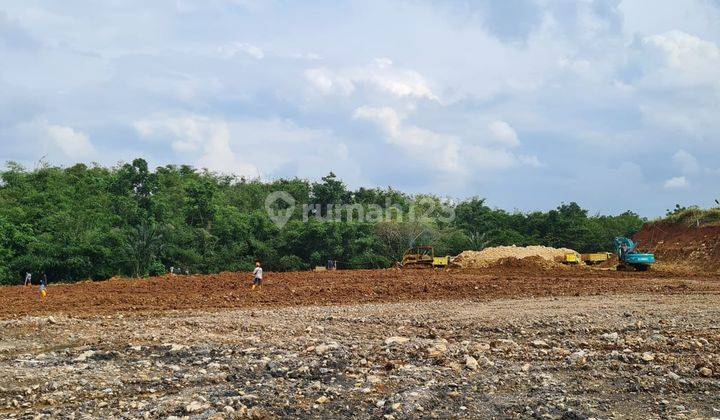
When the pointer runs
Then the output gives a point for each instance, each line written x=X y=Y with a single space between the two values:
x=570 y=357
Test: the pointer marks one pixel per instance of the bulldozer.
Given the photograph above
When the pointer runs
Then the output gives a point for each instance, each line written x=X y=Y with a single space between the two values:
x=423 y=257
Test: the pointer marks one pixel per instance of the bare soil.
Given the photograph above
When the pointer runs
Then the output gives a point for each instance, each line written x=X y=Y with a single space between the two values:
x=510 y=342
x=232 y=290
x=682 y=247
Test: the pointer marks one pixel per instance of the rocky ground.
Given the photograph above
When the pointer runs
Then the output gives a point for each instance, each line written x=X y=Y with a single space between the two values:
x=638 y=355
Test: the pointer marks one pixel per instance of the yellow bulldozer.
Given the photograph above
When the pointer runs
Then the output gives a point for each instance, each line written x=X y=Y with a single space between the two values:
x=423 y=257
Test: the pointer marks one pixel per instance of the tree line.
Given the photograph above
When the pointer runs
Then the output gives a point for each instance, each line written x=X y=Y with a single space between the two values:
x=92 y=222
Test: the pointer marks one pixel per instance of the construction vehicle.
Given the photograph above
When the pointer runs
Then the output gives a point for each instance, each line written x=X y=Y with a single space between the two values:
x=569 y=258
x=595 y=257
x=423 y=257
x=628 y=256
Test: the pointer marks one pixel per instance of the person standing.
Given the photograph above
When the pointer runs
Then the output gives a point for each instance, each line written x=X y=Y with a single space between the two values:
x=258 y=273
x=28 y=279
x=43 y=286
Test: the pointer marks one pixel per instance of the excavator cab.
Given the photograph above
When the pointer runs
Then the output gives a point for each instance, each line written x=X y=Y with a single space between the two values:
x=628 y=256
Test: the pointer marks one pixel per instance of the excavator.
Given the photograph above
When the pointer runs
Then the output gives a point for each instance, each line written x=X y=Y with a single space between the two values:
x=628 y=256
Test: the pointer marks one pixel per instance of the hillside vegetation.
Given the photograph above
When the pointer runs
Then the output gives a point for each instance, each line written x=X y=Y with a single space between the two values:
x=94 y=223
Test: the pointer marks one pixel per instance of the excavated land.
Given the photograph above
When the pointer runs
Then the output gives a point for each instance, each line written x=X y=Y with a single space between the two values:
x=510 y=341
x=508 y=279
x=682 y=247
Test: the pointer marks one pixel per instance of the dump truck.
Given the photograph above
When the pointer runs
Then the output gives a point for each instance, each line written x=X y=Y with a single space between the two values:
x=569 y=258
x=593 y=258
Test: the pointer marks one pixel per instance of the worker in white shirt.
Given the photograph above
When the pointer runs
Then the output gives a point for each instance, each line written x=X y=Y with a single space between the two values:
x=257 y=272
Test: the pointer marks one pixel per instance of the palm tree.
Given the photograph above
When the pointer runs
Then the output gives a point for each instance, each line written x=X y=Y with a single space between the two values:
x=143 y=243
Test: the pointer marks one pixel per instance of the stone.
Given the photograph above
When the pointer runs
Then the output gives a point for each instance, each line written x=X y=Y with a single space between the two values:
x=84 y=355
x=611 y=337
x=196 y=406
x=648 y=357
x=438 y=349
x=540 y=344
x=324 y=348
x=471 y=363
x=390 y=341
x=577 y=358
x=706 y=372
x=373 y=379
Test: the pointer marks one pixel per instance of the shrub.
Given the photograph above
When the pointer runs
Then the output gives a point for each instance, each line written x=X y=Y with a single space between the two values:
x=292 y=263
x=157 y=268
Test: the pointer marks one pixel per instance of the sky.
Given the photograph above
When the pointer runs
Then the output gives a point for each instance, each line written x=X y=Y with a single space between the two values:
x=528 y=103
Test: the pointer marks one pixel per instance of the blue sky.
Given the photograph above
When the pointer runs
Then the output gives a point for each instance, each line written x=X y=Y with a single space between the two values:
x=530 y=103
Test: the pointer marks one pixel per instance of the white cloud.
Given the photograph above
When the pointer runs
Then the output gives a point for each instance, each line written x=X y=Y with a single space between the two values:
x=235 y=48
x=530 y=160
x=676 y=182
x=381 y=75
x=445 y=151
x=326 y=82
x=687 y=162
x=73 y=143
x=504 y=133
x=207 y=140
x=676 y=58
x=420 y=143
x=575 y=66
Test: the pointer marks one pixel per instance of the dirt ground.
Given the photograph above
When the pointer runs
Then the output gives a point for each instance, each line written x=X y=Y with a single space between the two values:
x=232 y=290
x=392 y=344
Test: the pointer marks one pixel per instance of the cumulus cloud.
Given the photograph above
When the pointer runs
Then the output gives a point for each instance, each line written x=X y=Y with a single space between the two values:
x=676 y=58
x=381 y=76
x=687 y=162
x=206 y=139
x=558 y=86
x=448 y=152
x=676 y=182
x=421 y=144
x=73 y=143
x=504 y=133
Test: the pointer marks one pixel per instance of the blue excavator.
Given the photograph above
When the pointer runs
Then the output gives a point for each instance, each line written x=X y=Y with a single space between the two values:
x=629 y=257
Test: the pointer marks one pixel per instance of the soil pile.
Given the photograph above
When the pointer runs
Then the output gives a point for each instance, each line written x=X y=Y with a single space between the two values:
x=531 y=263
x=680 y=246
x=489 y=256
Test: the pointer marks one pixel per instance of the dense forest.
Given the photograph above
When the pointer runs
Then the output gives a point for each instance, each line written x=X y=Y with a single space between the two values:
x=85 y=222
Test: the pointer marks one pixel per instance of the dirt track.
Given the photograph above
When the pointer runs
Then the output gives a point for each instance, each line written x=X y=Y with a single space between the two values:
x=231 y=290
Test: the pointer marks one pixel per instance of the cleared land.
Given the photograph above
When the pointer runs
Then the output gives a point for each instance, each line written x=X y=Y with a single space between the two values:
x=513 y=342
x=231 y=290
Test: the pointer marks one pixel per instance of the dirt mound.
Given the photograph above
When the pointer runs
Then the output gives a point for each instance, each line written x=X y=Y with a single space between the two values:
x=682 y=247
x=489 y=256
x=534 y=262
